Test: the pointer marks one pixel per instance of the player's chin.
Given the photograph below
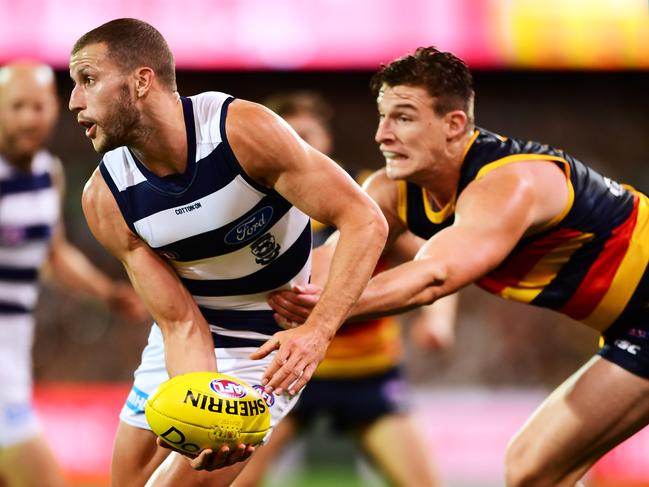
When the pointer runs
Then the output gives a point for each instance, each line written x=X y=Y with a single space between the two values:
x=104 y=144
x=393 y=172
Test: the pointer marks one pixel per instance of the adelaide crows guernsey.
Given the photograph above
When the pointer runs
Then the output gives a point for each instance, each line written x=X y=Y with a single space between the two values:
x=29 y=211
x=589 y=263
x=230 y=239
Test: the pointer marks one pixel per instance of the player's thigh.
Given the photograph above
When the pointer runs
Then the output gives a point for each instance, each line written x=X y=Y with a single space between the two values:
x=261 y=461
x=595 y=409
x=176 y=471
x=395 y=445
x=30 y=464
x=135 y=456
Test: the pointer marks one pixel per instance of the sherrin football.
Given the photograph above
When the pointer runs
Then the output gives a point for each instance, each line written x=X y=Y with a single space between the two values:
x=202 y=410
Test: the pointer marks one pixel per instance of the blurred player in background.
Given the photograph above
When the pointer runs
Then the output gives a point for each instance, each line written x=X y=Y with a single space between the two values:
x=205 y=201
x=360 y=385
x=523 y=221
x=32 y=237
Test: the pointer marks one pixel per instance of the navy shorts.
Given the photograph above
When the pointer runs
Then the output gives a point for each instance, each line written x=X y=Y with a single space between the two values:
x=352 y=403
x=628 y=347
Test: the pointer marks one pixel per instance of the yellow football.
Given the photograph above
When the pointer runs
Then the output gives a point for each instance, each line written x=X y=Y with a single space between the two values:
x=202 y=410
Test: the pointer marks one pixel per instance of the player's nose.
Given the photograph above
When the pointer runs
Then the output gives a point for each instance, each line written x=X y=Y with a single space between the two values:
x=77 y=100
x=383 y=132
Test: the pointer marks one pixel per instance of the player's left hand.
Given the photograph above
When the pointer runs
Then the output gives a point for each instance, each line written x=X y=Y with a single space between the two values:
x=293 y=307
x=299 y=351
x=209 y=459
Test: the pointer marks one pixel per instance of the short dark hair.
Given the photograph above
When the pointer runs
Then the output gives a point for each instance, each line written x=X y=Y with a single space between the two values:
x=298 y=102
x=132 y=43
x=446 y=78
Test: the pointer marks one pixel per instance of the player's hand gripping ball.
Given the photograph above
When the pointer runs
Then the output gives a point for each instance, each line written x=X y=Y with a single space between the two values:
x=201 y=410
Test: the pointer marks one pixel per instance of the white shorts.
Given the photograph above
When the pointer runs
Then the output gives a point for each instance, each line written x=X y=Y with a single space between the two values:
x=231 y=361
x=18 y=422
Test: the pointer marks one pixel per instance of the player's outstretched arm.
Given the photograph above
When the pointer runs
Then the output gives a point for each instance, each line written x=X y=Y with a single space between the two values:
x=188 y=342
x=492 y=215
x=294 y=306
x=271 y=153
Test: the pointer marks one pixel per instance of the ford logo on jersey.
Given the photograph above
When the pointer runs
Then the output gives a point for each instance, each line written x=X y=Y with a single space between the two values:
x=251 y=227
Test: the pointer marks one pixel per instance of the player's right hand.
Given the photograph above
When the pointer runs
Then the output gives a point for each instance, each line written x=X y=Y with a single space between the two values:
x=293 y=307
x=212 y=460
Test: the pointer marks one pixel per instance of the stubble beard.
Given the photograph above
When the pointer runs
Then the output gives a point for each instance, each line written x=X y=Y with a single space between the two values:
x=121 y=126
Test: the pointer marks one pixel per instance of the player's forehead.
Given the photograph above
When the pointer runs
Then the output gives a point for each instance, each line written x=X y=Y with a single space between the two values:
x=90 y=57
x=403 y=97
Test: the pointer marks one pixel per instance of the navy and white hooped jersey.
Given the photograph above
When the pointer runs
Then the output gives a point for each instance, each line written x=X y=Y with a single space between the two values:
x=230 y=239
x=29 y=211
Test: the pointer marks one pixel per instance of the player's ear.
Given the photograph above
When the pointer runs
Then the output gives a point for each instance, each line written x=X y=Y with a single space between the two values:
x=456 y=121
x=144 y=77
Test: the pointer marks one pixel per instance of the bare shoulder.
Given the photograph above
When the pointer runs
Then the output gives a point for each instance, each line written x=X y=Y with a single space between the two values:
x=104 y=217
x=251 y=127
x=95 y=193
x=383 y=190
x=521 y=191
x=261 y=140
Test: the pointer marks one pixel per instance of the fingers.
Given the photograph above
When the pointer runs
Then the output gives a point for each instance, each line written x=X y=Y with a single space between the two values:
x=270 y=345
x=225 y=456
x=302 y=380
x=287 y=316
x=285 y=323
x=290 y=373
x=295 y=307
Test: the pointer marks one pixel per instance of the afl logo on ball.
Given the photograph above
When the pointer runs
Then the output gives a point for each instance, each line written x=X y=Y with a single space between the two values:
x=268 y=398
x=228 y=388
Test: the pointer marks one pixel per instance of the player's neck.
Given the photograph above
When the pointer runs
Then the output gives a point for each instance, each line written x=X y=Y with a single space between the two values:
x=162 y=146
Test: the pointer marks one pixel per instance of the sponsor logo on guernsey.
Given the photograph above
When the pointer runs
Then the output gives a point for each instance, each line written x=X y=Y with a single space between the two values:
x=228 y=388
x=628 y=346
x=189 y=208
x=614 y=187
x=265 y=249
x=213 y=404
x=251 y=227
x=268 y=398
x=136 y=400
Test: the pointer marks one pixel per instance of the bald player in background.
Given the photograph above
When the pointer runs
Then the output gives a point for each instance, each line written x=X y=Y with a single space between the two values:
x=32 y=238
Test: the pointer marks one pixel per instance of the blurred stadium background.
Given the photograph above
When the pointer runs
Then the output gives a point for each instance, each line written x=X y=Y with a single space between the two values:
x=572 y=74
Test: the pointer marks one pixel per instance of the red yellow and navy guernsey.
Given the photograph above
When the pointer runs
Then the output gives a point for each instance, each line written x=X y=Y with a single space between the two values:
x=589 y=263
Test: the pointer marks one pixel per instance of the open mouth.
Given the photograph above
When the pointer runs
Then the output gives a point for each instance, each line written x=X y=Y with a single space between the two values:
x=91 y=128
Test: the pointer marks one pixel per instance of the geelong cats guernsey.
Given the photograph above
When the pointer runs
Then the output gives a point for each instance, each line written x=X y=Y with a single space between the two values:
x=29 y=211
x=231 y=240
x=590 y=263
